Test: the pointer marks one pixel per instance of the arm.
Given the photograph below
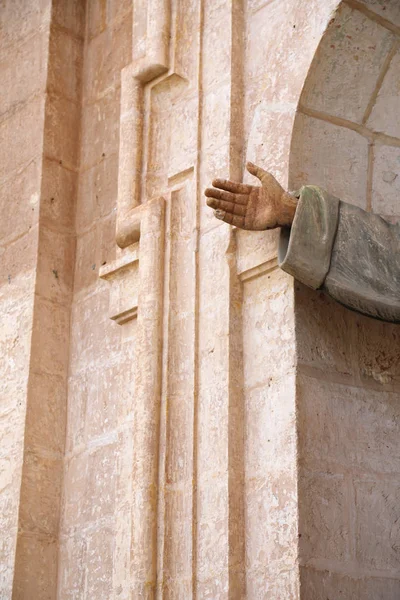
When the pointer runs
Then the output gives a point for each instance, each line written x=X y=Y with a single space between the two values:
x=324 y=243
x=252 y=207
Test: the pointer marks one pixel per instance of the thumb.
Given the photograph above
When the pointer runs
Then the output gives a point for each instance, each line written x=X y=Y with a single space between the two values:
x=256 y=171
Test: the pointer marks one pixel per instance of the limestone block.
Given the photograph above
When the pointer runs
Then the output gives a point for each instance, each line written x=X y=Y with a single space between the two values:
x=96 y=18
x=321 y=150
x=55 y=265
x=49 y=337
x=46 y=420
x=186 y=42
x=17 y=266
x=179 y=555
x=378 y=348
x=214 y=587
x=61 y=131
x=212 y=515
x=323 y=517
x=69 y=15
x=97 y=193
x=261 y=586
x=380 y=588
x=107 y=249
x=65 y=65
x=377 y=527
x=271 y=537
x=117 y=9
x=181 y=589
x=267 y=328
x=269 y=138
x=36 y=562
x=78 y=389
x=100 y=484
x=59 y=186
x=325 y=332
x=40 y=492
x=7 y=551
x=354 y=40
x=388 y=9
x=267 y=83
x=123 y=275
x=347 y=427
x=107 y=54
x=314 y=583
x=183 y=143
x=86 y=262
x=72 y=553
x=99 y=561
x=20 y=202
x=29 y=78
x=19 y=19
x=216 y=123
x=76 y=473
x=100 y=129
x=386 y=181
x=270 y=443
x=103 y=401
x=217 y=64
x=92 y=346
x=385 y=115
x=23 y=143
x=255 y=248
x=270 y=58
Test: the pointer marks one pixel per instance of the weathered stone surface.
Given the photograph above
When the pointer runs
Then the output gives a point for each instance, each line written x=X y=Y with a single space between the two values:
x=388 y=9
x=385 y=112
x=386 y=181
x=270 y=411
x=332 y=437
x=320 y=150
x=348 y=40
x=377 y=527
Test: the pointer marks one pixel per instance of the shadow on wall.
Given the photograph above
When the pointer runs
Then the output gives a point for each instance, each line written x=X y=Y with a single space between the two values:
x=346 y=139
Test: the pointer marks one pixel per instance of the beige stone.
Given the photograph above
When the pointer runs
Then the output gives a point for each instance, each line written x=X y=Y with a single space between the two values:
x=237 y=436
x=388 y=9
x=65 y=65
x=355 y=39
x=384 y=115
x=376 y=503
x=57 y=201
x=100 y=129
x=386 y=181
x=321 y=149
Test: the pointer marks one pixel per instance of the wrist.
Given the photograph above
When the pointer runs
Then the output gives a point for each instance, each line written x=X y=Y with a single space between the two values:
x=287 y=211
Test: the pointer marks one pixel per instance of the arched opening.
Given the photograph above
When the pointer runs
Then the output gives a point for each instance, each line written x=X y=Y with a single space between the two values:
x=346 y=138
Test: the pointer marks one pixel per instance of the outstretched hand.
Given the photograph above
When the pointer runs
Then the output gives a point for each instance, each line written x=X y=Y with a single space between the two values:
x=249 y=206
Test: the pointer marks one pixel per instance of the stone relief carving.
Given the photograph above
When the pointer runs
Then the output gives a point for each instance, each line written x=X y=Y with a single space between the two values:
x=325 y=243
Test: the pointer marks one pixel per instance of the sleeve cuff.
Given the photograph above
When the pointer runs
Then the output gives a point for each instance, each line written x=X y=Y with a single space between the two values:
x=305 y=250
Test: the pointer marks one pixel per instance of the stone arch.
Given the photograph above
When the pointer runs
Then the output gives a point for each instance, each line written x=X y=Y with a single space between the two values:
x=346 y=138
x=348 y=119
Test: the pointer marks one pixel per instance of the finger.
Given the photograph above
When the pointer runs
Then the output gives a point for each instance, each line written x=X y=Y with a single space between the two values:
x=255 y=170
x=231 y=207
x=219 y=195
x=232 y=186
x=226 y=196
x=229 y=218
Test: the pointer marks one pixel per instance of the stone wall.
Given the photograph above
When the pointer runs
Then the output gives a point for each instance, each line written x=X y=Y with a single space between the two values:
x=181 y=419
x=24 y=44
x=346 y=140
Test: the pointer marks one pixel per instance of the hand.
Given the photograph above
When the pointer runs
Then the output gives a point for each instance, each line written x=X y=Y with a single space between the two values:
x=249 y=206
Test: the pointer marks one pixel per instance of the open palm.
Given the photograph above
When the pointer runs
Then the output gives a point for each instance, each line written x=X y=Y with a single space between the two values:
x=249 y=206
